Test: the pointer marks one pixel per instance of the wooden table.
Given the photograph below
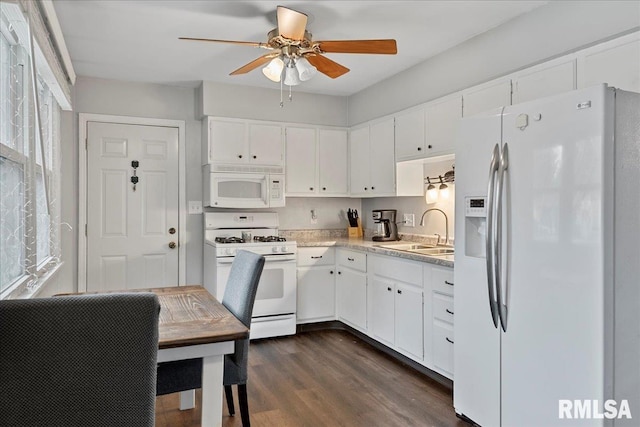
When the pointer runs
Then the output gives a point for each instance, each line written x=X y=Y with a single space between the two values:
x=194 y=324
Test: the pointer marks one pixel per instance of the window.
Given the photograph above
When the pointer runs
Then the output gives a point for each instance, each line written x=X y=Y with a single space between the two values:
x=29 y=214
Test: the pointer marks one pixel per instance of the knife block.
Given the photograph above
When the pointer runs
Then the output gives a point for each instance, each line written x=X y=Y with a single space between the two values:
x=354 y=232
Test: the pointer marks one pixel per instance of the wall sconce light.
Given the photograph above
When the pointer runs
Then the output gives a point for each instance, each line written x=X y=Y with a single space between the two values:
x=432 y=194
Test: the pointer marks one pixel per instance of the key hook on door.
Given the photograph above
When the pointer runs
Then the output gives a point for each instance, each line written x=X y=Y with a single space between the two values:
x=134 y=177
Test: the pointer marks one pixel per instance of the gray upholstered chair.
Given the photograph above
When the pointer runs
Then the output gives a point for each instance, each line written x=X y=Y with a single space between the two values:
x=78 y=361
x=239 y=297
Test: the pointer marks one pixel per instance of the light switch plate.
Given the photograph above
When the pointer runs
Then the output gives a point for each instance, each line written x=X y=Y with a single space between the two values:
x=409 y=220
x=195 y=207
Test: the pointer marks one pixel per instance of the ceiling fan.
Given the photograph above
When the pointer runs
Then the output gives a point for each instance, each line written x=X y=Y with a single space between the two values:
x=293 y=50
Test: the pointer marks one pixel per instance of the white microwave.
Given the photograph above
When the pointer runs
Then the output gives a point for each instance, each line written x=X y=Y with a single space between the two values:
x=243 y=190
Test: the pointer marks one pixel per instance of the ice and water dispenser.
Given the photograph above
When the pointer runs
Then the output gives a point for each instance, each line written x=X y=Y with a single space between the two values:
x=475 y=226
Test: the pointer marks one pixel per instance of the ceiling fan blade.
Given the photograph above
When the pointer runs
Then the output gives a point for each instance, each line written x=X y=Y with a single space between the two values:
x=386 y=46
x=291 y=24
x=255 y=44
x=327 y=66
x=254 y=64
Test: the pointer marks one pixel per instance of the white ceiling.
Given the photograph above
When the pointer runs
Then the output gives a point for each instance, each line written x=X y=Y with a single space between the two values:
x=138 y=40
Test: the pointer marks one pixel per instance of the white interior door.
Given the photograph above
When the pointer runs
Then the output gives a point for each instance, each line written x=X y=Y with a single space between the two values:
x=130 y=230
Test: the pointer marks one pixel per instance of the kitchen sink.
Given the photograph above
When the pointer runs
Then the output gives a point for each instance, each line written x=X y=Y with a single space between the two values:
x=433 y=251
x=405 y=246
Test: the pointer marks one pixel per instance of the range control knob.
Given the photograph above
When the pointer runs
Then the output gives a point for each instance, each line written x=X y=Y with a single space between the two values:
x=284 y=249
x=275 y=249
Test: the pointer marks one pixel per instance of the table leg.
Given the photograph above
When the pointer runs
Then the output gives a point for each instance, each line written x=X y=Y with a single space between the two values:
x=187 y=399
x=212 y=375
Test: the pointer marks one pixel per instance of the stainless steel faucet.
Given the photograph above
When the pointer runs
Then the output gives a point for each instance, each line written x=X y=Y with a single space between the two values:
x=446 y=224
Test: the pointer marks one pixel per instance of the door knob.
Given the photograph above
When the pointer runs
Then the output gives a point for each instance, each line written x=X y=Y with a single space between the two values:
x=172 y=245
x=172 y=230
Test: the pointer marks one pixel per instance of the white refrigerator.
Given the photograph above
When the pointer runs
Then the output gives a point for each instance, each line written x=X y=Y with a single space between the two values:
x=547 y=269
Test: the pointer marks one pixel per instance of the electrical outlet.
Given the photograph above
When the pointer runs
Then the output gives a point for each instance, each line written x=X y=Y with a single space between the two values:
x=195 y=207
x=314 y=217
x=409 y=220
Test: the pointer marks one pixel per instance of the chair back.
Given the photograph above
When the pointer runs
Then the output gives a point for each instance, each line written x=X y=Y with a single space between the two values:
x=242 y=285
x=86 y=360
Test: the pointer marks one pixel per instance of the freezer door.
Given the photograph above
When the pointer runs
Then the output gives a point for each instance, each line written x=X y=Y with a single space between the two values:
x=555 y=216
x=476 y=388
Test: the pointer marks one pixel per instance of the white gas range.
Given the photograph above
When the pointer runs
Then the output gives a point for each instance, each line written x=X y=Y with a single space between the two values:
x=274 y=311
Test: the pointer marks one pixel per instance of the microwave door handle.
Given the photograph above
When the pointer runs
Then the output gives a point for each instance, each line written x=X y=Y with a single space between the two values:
x=266 y=190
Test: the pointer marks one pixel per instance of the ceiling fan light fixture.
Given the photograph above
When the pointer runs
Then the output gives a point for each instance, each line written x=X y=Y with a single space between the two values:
x=273 y=71
x=291 y=77
x=305 y=70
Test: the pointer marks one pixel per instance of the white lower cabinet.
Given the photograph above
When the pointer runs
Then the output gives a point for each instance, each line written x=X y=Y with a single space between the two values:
x=439 y=318
x=396 y=315
x=316 y=285
x=351 y=288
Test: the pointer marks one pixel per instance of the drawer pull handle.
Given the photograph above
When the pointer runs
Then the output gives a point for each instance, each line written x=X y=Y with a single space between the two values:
x=399 y=291
x=316 y=257
x=388 y=288
x=448 y=283
x=339 y=272
x=447 y=338
x=350 y=259
x=331 y=272
x=449 y=311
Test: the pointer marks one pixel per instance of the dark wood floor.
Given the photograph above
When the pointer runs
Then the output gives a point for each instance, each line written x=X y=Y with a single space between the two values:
x=327 y=378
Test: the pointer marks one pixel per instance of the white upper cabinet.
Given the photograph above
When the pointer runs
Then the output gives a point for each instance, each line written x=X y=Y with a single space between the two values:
x=616 y=63
x=242 y=142
x=301 y=161
x=486 y=97
x=372 y=160
x=545 y=81
x=383 y=165
x=441 y=119
x=410 y=134
x=333 y=154
x=316 y=162
x=266 y=146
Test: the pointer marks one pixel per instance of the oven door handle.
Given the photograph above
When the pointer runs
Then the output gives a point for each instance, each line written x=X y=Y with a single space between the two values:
x=267 y=258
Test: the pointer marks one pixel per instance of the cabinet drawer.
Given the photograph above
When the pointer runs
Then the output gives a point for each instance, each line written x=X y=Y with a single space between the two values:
x=443 y=307
x=396 y=269
x=308 y=257
x=353 y=259
x=443 y=348
x=442 y=280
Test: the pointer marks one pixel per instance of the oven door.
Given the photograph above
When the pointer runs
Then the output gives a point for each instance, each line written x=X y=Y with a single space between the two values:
x=239 y=190
x=277 y=287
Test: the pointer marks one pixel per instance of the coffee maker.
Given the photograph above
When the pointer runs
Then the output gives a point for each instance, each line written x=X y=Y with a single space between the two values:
x=386 y=217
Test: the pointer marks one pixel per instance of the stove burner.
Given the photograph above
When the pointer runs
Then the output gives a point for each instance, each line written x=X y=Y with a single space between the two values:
x=229 y=240
x=269 y=239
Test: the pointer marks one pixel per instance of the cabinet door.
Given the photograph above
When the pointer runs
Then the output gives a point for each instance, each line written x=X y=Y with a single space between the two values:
x=487 y=98
x=545 y=82
x=409 y=135
x=316 y=293
x=441 y=120
x=619 y=66
x=333 y=155
x=301 y=161
x=359 y=164
x=382 y=307
x=266 y=145
x=383 y=164
x=408 y=320
x=443 y=348
x=352 y=297
x=228 y=141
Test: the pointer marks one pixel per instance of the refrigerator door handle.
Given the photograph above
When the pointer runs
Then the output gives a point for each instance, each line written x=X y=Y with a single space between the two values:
x=489 y=238
x=501 y=279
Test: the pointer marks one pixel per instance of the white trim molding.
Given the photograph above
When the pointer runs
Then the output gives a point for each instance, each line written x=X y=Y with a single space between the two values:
x=83 y=119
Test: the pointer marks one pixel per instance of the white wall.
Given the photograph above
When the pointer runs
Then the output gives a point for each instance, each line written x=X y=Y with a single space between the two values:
x=552 y=30
x=216 y=99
